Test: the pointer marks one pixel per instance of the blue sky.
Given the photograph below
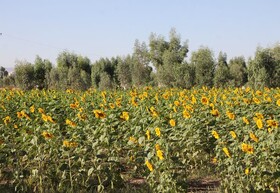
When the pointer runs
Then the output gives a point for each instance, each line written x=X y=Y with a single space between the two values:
x=107 y=28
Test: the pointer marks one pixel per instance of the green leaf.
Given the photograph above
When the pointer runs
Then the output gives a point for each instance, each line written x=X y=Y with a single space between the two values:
x=100 y=188
x=141 y=140
x=90 y=171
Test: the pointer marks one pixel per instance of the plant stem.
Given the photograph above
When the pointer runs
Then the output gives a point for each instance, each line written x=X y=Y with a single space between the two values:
x=70 y=172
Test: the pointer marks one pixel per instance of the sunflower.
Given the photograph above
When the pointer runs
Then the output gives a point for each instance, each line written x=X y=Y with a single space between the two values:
x=245 y=120
x=272 y=123
x=247 y=148
x=157 y=130
x=99 y=114
x=148 y=134
x=47 y=135
x=7 y=120
x=230 y=115
x=133 y=139
x=215 y=134
x=149 y=165
x=32 y=109
x=172 y=123
x=259 y=123
x=160 y=154
x=278 y=102
x=247 y=171
x=67 y=143
x=225 y=149
x=71 y=123
x=215 y=112
x=204 y=100
x=254 y=137
x=233 y=134
x=186 y=114
x=124 y=116
x=157 y=146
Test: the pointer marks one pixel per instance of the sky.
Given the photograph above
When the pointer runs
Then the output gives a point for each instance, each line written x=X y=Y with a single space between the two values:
x=108 y=28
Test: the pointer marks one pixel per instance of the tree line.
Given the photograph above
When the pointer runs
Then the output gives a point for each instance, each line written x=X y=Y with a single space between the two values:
x=161 y=62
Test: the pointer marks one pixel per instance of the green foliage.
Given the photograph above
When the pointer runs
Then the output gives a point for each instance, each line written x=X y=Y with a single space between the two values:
x=84 y=64
x=157 y=46
x=140 y=69
x=24 y=75
x=165 y=76
x=72 y=71
x=261 y=70
x=105 y=82
x=123 y=72
x=96 y=141
x=168 y=58
x=252 y=159
x=222 y=73
x=204 y=63
x=53 y=79
x=85 y=80
x=67 y=60
x=74 y=79
x=3 y=72
x=238 y=71
x=3 y=77
x=160 y=62
x=185 y=76
x=39 y=73
x=103 y=69
x=275 y=51
x=8 y=81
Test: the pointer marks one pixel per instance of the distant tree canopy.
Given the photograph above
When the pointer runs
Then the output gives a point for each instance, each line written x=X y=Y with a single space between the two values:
x=5 y=79
x=159 y=62
x=168 y=58
x=3 y=72
x=264 y=68
x=238 y=71
x=221 y=72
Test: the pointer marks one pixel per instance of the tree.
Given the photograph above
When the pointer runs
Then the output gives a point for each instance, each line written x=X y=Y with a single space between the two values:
x=167 y=57
x=124 y=71
x=238 y=71
x=39 y=73
x=104 y=65
x=48 y=67
x=166 y=76
x=24 y=75
x=261 y=69
x=84 y=64
x=3 y=72
x=78 y=79
x=67 y=60
x=74 y=79
x=204 y=64
x=72 y=71
x=86 y=80
x=222 y=74
x=9 y=80
x=184 y=76
x=105 y=81
x=58 y=78
x=275 y=51
x=53 y=79
x=140 y=69
x=157 y=47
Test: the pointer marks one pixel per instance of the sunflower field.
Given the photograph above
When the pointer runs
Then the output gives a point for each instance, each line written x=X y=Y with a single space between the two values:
x=96 y=141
